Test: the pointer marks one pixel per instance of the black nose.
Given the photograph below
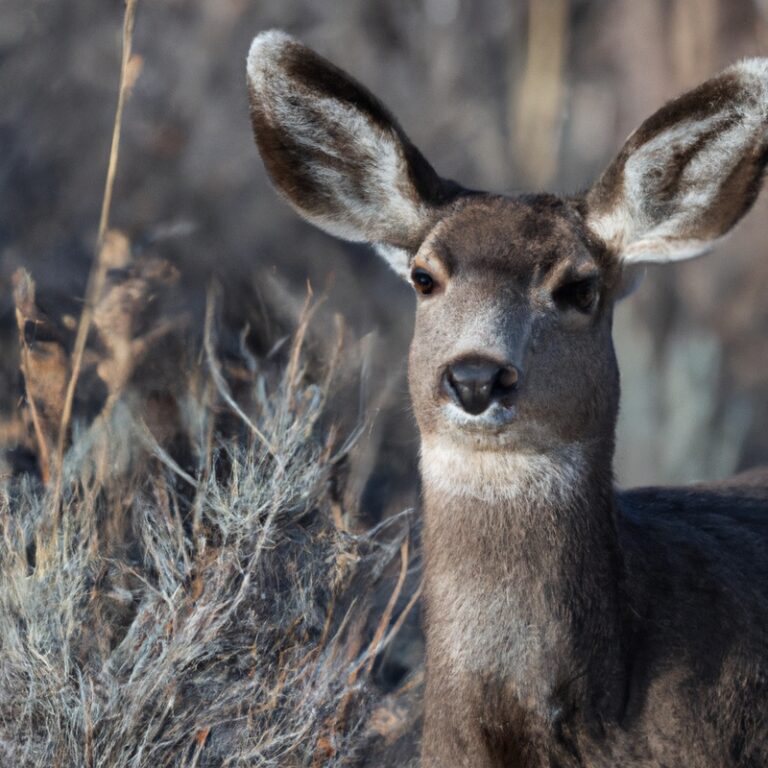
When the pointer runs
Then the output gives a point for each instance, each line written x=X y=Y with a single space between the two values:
x=474 y=383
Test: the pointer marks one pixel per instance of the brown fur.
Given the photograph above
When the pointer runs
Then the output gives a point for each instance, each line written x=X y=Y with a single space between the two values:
x=567 y=624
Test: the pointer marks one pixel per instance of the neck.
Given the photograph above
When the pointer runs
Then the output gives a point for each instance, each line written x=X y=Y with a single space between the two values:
x=524 y=569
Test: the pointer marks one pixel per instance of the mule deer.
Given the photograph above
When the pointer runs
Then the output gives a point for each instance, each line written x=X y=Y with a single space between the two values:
x=567 y=624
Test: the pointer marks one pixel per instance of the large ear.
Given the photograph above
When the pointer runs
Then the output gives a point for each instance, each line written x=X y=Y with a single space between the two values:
x=336 y=154
x=689 y=173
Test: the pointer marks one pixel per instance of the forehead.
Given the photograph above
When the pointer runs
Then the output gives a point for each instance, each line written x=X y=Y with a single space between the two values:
x=519 y=236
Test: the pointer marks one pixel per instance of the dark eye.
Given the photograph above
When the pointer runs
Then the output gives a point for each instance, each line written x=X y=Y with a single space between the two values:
x=578 y=294
x=423 y=281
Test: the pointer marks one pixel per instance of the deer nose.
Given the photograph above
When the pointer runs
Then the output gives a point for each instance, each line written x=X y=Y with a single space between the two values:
x=474 y=383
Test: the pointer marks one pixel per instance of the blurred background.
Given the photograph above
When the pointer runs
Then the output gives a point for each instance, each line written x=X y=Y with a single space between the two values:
x=505 y=95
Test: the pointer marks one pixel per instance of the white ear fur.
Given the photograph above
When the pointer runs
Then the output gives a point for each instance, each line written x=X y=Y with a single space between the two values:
x=263 y=48
x=689 y=173
x=397 y=258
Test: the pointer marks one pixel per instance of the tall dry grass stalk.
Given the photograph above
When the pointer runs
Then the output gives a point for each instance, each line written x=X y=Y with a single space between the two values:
x=99 y=270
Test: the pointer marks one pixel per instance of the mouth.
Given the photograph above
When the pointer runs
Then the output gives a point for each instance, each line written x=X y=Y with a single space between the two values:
x=501 y=427
x=494 y=420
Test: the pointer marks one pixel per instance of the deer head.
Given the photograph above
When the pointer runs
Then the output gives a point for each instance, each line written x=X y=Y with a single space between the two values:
x=512 y=350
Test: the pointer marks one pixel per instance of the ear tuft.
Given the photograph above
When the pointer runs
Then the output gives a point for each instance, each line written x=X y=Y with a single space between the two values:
x=689 y=173
x=265 y=52
x=756 y=68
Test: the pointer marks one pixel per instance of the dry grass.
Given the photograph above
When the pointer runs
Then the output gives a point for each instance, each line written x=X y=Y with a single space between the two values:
x=216 y=613
x=180 y=581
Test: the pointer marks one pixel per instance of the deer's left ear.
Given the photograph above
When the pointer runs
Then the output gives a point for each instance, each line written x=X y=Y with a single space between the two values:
x=689 y=173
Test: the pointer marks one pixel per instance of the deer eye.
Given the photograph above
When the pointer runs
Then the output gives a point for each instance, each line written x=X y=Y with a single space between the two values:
x=423 y=281
x=577 y=294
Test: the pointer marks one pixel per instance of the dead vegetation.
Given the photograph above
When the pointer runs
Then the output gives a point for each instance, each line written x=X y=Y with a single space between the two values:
x=180 y=581
x=204 y=605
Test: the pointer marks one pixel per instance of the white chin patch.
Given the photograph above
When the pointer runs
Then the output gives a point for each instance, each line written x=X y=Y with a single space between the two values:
x=456 y=469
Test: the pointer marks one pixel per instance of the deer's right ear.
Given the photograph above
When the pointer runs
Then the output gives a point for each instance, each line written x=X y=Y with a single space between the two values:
x=336 y=154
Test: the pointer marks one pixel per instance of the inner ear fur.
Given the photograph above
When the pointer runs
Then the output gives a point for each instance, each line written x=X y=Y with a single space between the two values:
x=336 y=154
x=689 y=173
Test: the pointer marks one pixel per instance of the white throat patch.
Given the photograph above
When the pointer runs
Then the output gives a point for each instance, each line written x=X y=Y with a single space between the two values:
x=451 y=469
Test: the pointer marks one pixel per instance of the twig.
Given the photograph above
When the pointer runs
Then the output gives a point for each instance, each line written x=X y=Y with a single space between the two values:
x=292 y=373
x=298 y=342
x=99 y=269
x=43 y=460
x=150 y=441
x=375 y=644
x=220 y=381
x=397 y=626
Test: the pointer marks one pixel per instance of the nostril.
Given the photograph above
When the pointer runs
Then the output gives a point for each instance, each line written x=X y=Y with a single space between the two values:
x=508 y=377
x=476 y=382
